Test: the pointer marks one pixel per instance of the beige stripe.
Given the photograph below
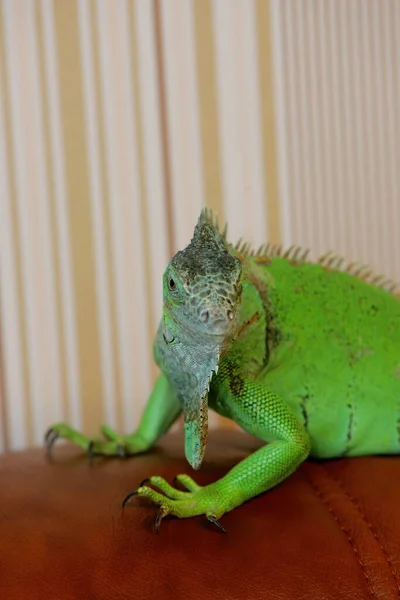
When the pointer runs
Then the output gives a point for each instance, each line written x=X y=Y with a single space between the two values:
x=66 y=22
x=51 y=188
x=104 y=289
x=207 y=91
x=17 y=251
x=145 y=217
x=123 y=180
x=150 y=122
x=183 y=116
x=13 y=396
x=4 y=442
x=107 y=217
x=266 y=75
x=164 y=126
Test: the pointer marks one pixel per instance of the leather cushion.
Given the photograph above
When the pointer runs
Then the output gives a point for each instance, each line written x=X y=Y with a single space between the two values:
x=331 y=530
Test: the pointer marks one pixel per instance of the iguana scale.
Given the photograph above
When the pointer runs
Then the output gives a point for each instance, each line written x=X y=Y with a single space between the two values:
x=303 y=355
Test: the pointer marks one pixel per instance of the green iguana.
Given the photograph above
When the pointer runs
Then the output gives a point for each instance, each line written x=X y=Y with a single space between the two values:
x=305 y=356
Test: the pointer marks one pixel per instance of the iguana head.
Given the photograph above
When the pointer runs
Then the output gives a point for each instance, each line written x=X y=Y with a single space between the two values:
x=202 y=287
x=202 y=298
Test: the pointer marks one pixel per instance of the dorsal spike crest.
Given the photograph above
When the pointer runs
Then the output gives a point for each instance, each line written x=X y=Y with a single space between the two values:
x=322 y=259
x=296 y=254
x=305 y=254
x=238 y=244
x=340 y=263
x=331 y=260
x=289 y=252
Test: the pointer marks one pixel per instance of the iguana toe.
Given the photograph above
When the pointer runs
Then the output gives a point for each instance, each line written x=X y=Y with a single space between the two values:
x=199 y=500
x=113 y=445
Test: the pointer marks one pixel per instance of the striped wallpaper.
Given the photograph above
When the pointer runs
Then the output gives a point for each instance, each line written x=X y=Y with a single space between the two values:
x=119 y=119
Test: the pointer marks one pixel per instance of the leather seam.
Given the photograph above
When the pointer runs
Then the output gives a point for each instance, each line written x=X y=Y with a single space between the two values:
x=357 y=505
x=345 y=531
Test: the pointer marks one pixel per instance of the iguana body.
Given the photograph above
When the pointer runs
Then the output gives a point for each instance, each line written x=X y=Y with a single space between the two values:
x=304 y=356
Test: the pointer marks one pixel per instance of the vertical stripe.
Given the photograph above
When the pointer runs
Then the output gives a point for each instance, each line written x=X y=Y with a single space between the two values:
x=269 y=126
x=148 y=223
x=4 y=443
x=143 y=212
x=392 y=94
x=101 y=245
x=359 y=166
x=17 y=406
x=348 y=146
x=334 y=220
x=280 y=101
x=183 y=117
x=69 y=400
x=396 y=130
x=316 y=127
x=205 y=54
x=19 y=76
x=293 y=145
x=381 y=215
x=78 y=189
x=124 y=202
x=240 y=119
x=368 y=94
x=160 y=69
x=49 y=403
x=114 y=404
x=149 y=105
x=61 y=232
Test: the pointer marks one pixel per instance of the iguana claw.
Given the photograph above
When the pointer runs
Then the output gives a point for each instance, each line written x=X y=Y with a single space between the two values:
x=49 y=439
x=213 y=519
x=90 y=449
x=129 y=496
x=121 y=451
x=163 y=512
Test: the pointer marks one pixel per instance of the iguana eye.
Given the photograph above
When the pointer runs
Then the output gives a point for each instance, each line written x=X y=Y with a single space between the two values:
x=171 y=284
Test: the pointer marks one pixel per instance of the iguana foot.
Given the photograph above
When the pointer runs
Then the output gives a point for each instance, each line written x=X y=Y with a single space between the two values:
x=113 y=445
x=197 y=500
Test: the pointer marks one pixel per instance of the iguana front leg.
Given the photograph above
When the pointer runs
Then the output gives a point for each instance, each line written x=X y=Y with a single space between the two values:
x=161 y=411
x=262 y=413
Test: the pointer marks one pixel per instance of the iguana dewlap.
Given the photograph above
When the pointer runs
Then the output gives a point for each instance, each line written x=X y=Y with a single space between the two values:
x=305 y=356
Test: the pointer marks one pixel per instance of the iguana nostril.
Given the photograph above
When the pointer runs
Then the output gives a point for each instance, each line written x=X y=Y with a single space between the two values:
x=204 y=316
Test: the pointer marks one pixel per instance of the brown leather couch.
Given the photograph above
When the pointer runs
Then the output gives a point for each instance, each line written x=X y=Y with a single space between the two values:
x=330 y=531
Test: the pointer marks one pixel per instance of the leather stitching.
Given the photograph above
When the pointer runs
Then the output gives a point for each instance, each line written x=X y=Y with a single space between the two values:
x=346 y=532
x=356 y=503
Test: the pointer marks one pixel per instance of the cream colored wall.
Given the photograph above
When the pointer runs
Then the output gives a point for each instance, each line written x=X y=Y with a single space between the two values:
x=119 y=119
